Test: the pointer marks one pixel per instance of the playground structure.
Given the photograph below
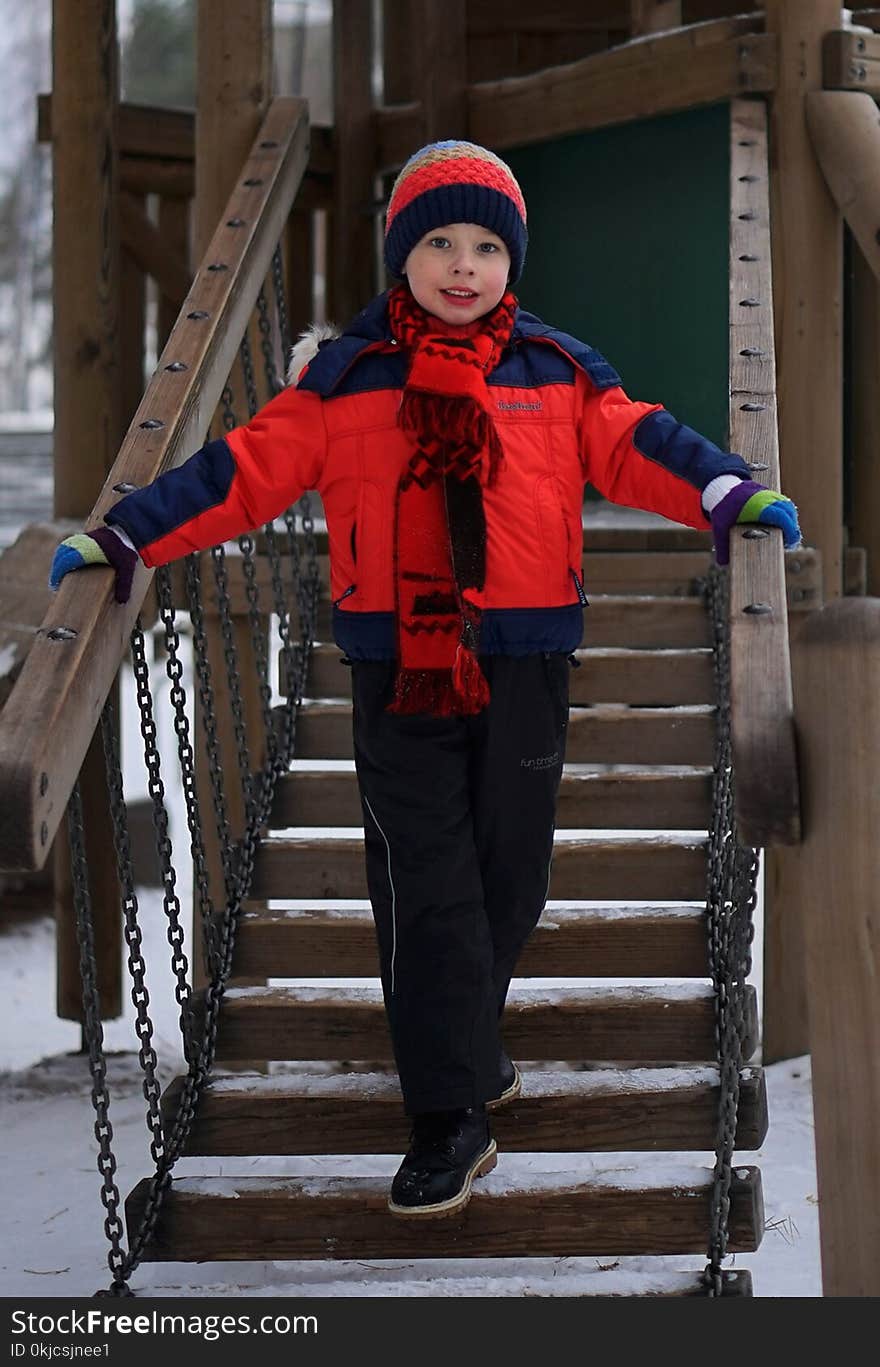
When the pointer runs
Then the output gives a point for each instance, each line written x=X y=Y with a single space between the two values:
x=249 y=196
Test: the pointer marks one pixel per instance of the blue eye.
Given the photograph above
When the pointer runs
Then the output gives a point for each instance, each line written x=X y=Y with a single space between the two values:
x=442 y=241
x=488 y=247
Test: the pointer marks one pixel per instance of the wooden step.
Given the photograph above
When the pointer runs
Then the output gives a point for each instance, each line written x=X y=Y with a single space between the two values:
x=597 y=735
x=557 y=1214
x=643 y=678
x=595 y=942
x=662 y=1024
x=623 y=799
x=600 y=1111
x=647 y=868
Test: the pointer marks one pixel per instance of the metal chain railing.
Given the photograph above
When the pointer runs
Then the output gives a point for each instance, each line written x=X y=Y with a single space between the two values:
x=237 y=850
x=731 y=898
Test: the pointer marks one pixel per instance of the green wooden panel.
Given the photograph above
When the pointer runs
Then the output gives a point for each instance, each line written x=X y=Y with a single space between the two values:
x=628 y=250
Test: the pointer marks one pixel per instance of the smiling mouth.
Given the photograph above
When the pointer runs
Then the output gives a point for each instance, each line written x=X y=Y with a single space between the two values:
x=464 y=295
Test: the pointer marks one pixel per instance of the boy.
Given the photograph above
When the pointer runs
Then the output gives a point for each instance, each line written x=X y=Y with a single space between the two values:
x=450 y=435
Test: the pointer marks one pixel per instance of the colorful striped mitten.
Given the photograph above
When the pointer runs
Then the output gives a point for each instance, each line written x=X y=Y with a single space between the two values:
x=751 y=502
x=99 y=547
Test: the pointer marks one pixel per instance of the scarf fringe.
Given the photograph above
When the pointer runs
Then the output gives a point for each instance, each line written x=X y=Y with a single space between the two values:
x=458 y=692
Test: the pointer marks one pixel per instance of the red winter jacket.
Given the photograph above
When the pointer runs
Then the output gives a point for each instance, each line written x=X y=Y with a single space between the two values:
x=562 y=417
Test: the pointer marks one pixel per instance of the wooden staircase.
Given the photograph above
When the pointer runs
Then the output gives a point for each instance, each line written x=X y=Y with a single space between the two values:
x=612 y=1067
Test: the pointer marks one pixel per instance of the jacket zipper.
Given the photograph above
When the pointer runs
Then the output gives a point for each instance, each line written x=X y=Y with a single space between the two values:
x=579 y=585
x=348 y=592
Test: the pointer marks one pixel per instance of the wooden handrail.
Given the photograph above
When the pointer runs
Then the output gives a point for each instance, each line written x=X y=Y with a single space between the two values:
x=51 y=714
x=762 y=710
x=846 y=139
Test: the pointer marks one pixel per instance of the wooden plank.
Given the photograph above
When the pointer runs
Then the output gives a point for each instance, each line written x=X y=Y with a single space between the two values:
x=622 y=800
x=807 y=271
x=63 y=684
x=599 y=1111
x=352 y=265
x=664 y=678
x=851 y=61
x=555 y=1214
x=597 y=735
x=643 y=1024
x=762 y=710
x=650 y=868
x=643 y=79
x=646 y=623
x=399 y=130
x=839 y=658
x=646 y=942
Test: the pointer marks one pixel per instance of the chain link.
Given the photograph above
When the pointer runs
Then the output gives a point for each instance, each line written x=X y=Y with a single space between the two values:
x=169 y=1137
x=731 y=898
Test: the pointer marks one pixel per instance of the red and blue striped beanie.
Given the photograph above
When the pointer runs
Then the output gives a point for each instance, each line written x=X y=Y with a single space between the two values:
x=454 y=182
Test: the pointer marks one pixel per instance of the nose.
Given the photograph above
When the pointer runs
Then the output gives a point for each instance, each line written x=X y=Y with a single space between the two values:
x=461 y=264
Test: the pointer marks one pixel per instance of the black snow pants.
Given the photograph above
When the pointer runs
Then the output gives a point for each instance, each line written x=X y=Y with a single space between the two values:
x=459 y=815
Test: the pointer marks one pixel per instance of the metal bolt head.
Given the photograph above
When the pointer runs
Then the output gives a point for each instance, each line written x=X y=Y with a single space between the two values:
x=152 y=424
x=235 y=222
x=198 y=314
x=62 y=634
x=253 y=180
x=124 y=487
x=218 y=266
x=44 y=784
x=44 y=834
x=757 y=609
x=177 y=365
x=755 y=534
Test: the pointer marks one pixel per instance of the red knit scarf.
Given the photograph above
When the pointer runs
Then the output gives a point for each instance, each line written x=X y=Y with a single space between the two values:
x=440 y=527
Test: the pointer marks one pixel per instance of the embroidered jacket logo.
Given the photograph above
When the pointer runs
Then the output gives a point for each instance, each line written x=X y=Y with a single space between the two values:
x=528 y=407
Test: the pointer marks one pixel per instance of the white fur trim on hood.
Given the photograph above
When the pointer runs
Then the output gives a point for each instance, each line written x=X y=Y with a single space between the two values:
x=306 y=348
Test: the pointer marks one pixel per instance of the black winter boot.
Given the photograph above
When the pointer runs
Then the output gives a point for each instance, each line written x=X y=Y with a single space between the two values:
x=511 y=1083
x=447 y=1150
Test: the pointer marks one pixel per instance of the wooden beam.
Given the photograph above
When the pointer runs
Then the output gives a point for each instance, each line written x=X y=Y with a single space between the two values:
x=839 y=662
x=48 y=721
x=174 y=232
x=641 y=79
x=152 y=252
x=353 y=256
x=845 y=133
x=851 y=61
x=762 y=710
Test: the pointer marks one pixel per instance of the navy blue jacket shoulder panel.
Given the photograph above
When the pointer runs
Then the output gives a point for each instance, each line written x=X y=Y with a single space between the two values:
x=339 y=368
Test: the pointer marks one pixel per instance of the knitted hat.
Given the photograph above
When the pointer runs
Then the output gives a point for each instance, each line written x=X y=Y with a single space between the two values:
x=454 y=182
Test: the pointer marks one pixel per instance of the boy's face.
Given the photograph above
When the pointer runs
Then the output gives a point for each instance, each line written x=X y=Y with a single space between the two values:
x=458 y=272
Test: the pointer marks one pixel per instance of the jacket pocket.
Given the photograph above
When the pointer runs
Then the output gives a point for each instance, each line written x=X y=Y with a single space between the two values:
x=553 y=540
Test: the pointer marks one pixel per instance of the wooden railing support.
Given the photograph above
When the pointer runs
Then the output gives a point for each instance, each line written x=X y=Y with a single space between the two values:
x=837 y=695
x=762 y=718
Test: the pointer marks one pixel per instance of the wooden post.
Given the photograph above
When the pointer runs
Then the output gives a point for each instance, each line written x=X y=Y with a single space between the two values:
x=234 y=87
x=808 y=277
x=174 y=228
x=353 y=257
x=807 y=247
x=132 y=322
x=88 y=428
x=441 y=64
x=653 y=16
x=837 y=693
x=865 y=414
